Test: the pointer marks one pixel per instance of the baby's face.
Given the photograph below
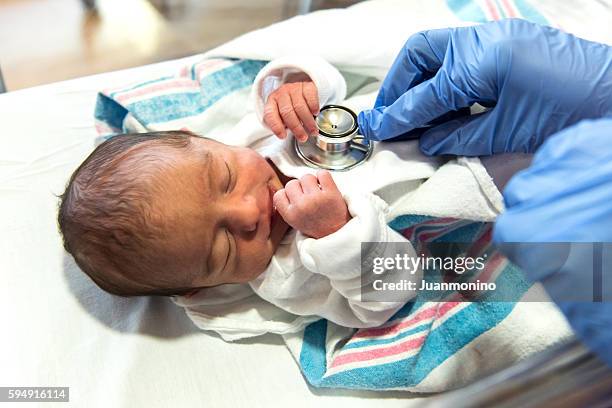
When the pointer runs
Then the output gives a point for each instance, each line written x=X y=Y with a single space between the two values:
x=217 y=215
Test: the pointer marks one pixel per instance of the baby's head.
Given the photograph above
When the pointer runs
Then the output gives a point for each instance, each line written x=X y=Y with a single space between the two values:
x=164 y=213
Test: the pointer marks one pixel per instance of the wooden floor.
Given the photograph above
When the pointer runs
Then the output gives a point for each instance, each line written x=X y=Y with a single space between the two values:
x=44 y=41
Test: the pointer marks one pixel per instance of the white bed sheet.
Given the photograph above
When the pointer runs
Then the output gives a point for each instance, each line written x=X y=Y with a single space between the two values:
x=60 y=330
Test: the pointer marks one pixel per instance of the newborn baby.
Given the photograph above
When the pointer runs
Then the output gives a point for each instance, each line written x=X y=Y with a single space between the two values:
x=166 y=213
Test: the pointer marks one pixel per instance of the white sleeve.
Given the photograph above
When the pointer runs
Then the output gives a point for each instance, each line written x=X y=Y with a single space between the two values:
x=330 y=84
x=339 y=257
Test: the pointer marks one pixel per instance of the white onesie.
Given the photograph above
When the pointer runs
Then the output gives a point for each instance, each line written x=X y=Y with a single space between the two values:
x=317 y=278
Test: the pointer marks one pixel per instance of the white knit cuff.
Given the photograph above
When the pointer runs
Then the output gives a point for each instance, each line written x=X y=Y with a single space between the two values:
x=338 y=255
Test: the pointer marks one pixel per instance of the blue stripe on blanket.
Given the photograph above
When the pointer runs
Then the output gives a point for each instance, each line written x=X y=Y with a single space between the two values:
x=213 y=87
x=406 y=221
x=467 y=10
x=139 y=85
x=313 y=349
x=530 y=13
x=110 y=112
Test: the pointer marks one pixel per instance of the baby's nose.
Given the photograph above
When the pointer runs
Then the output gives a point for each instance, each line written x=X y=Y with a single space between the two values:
x=244 y=215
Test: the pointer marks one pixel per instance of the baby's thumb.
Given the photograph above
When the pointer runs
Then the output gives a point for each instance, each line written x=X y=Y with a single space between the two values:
x=281 y=204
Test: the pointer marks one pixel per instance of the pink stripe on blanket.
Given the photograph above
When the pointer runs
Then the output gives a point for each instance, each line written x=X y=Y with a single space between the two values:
x=379 y=352
x=103 y=128
x=425 y=236
x=179 y=84
x=509 y=8
x=435 y=222
x=208 y=64
x=492 y=9
x=184 y=81
x=436 y=310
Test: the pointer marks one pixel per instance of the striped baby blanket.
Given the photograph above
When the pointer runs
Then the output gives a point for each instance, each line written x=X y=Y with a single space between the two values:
x=424 y=335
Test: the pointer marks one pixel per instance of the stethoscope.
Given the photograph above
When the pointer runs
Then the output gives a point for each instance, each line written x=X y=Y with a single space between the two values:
x=338 y=145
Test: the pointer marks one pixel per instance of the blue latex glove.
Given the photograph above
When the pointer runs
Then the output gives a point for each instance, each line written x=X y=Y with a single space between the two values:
x=566 y=196
x=538 y=80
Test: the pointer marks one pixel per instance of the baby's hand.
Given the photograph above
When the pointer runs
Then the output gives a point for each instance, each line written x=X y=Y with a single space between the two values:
x=293 y=106
x=313 y=205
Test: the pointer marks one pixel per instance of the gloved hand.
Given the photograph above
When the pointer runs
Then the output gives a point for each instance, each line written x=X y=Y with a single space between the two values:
x=538 y=80
x=565 y=197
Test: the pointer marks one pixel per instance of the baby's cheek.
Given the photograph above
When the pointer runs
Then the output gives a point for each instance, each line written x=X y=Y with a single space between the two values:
x=251 y=157
x=254 y=260
x=258 y=162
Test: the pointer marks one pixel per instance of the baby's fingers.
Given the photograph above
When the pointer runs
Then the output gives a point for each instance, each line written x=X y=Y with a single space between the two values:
x=311 y=95
x=302 y=109
x=293 y=190
x=310 y=184
x=281 y=202
x=272 y=118
x=290 y=118
x=326 y=181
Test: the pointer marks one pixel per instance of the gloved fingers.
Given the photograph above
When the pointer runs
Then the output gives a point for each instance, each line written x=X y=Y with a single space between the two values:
x=418 y=132
x=416 y=108
x=418 y=61
x=464 y=136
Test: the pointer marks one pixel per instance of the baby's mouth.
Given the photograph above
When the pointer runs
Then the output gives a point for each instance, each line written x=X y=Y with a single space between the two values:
x=278 y=226
x=273 y=213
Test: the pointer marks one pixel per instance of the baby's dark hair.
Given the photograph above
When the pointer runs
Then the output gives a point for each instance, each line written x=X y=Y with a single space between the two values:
x=105 y=214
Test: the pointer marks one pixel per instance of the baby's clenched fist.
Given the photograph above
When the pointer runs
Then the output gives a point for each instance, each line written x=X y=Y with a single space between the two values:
x=313 y=205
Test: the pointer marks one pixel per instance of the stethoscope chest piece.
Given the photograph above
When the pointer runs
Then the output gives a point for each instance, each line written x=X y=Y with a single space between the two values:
x=338 y=145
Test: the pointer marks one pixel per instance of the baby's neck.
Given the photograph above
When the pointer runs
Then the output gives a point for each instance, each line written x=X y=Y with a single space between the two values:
x=283 y=177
